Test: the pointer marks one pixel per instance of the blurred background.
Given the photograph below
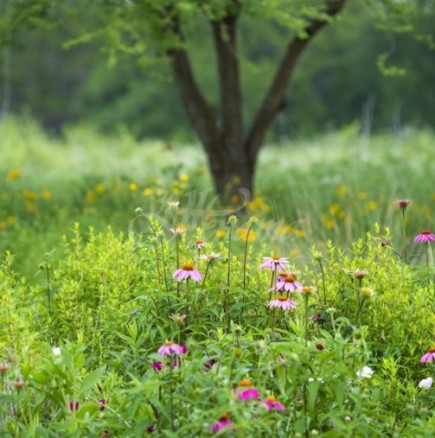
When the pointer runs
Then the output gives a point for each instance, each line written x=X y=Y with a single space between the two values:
x=338 y=82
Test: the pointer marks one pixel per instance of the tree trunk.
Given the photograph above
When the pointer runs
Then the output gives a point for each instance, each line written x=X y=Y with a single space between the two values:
x=232 y=154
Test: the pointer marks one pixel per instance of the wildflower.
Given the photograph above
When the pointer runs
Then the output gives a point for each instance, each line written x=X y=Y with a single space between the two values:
x=209 y=364
x=178 y=231
x=223 y=421
x=133 y=187
x=103 y=403
x=209 y=257
x=13 y=174
x=250 y=393
x=56 y=351
x=4 y=367
x=402 y=203
x=308 y=290
x=179 y=319
x=199 y=244
x=288 y=282
x=73 y=406
x=184 y=177
x=365 y=372
x=148 y=191
x=19 y=384
x=100 y=188
x=426 y=383
x=366 y=292
x=283 y=302
x=220 y=234
x=429 y=356
x=272 y=403
x=169 y=348
x=274 y=263
x=157 y=366
x=187 y=271
x=359 y=274
x=30 y=196
x=173 y=204
x=151 y=428
x=47 y=195
x=320 y=346
x=424 y=236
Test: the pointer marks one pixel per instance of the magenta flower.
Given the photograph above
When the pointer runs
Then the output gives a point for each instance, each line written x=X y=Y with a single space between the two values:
x=429 y=356
x=245 y=391
x=103 y=402
x=402 y=203
x=272 y=403
x=283 y=302
x=187 y=271
x=73 y=406
x=223 y=422
x=274 y=263
x=151 y=428
x=170 y=348
x=158 y=366
x=425 y=236
x=288 y=282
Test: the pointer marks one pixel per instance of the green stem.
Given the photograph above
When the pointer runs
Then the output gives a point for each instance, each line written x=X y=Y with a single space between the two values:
x=361 y=305
x=405 y=249
x=245 y=256
x=306 y=319
x=323 y=281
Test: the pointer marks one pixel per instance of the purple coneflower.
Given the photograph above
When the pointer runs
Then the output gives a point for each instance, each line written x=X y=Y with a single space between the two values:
x=429 y=356
x=402 y=203
x=283 y=302
x=245 y=391
x=425 y=236
x=199 y=244
x=274 y=263
x=224 y=421
x=272 y=403
x=288 y=282
x=187 y=271
x=170 y=348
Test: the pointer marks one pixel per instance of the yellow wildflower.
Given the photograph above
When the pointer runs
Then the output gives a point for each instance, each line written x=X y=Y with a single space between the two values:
x=100 y=188
x=220 y=234
x=133 y=187
x=13 y=174
x=30 y=196
x=148 y=191
x=46 y=195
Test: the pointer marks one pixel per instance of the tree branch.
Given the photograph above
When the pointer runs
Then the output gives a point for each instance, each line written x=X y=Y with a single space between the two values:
x=276 y=92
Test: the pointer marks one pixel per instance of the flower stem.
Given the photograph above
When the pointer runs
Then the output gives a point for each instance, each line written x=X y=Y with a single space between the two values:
x=245 y=256
x=360 y=307
x=405 y=249
x=306 y=318
x=177 y=258
x=322 y=271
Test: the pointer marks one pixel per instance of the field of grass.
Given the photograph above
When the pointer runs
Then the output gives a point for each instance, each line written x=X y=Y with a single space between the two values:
x=99 y=336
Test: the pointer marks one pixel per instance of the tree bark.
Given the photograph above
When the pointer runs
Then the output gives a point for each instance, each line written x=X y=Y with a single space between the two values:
x=232 y=155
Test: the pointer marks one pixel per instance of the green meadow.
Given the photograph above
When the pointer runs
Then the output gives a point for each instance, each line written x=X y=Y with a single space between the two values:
x=133 y=303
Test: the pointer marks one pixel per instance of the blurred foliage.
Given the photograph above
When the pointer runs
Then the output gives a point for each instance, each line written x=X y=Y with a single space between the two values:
x=344 y=76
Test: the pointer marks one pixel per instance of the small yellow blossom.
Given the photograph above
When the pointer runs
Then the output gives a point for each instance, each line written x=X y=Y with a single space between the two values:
x=133 y=187
x=47 y=195
x=10 y=219
x=13 y=174
x=299 y=233
x=2 y=226
x=184 y=177
x=30 y=196
x=243 y=234
x=220 y=234
x=148 y=191
x=372 y=205
x=330 y=223
x=341 y=190
x=90 y=197
x=100 y=188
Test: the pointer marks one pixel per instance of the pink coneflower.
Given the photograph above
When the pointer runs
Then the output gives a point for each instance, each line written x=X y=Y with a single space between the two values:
x=283 y=302
x=429 y=356
x=288 y=283
x=224 y=421
x=170 y=348
x=402 y=203
x=157 y=366
x=272 y=403
x=274 y=263
x=199 y=244
x=187 y=271
x=245 y=391
x=425 y=236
